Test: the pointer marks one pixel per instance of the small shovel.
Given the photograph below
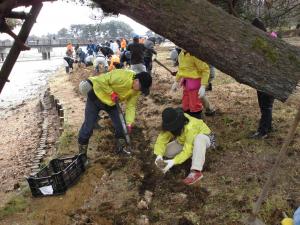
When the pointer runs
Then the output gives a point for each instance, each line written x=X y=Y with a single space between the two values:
x=124 y=128
x=252 y=219
x=162 y=65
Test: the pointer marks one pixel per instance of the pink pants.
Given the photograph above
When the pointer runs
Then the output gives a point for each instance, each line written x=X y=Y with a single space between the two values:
x=191 y=101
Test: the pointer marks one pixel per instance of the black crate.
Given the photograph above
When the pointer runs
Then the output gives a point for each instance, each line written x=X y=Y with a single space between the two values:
x=59 y=174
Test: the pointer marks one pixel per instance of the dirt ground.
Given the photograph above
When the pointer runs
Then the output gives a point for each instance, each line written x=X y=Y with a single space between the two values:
x=114 y=189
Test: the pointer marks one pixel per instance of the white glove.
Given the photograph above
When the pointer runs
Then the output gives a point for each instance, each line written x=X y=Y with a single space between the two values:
x=170 y=164
x=174 y=86
x=201 y=92
x=158 y=158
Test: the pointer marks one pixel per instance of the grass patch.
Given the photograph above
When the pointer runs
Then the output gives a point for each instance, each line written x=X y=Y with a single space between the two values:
x=272 y=209
x=66 y=138
x=17 y=204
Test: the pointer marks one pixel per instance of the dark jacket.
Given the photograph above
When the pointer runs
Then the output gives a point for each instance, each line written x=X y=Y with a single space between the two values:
x=137 y=52
x=81 y=56
x=149 y=49
x=125 y=57
x=106 y=51
x=91 y=48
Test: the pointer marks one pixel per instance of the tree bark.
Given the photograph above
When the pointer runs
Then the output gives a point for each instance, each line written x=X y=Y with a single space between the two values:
x=233 y=46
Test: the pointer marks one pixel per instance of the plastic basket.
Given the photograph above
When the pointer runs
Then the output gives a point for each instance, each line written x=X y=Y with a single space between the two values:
x=58 y=176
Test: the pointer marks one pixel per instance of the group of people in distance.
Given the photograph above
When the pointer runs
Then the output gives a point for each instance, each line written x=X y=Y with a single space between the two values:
x=184 y=134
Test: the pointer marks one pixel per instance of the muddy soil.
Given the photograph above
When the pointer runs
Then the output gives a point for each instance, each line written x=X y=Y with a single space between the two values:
x=113 y=189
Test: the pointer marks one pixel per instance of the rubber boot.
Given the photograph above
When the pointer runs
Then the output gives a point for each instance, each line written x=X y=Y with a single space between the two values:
x=210 y=112
x=83 y=149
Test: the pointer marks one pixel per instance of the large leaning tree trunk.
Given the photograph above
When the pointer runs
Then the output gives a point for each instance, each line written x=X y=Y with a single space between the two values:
x=230 y=44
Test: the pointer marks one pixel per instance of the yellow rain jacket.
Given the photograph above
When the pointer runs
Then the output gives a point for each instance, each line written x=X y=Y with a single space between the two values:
x=191 y=67
x=119 y=81
x=190 y=131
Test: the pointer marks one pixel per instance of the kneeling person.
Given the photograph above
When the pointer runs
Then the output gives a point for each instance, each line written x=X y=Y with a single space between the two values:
x=102 y=93
x=192 y=138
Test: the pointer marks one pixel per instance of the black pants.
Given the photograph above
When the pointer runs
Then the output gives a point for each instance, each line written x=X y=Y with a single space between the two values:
x=148 y=64
x=265 y=102
x=92 y=108
x=70 y=61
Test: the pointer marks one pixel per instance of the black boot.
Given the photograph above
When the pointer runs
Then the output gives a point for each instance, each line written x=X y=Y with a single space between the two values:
x=209 y=87
x=82 y=149
x=210 y=112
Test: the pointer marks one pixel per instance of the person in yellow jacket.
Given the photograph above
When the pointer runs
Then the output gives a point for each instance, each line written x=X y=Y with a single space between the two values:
x=193 y=75
x=102 y=92
x=192 y=138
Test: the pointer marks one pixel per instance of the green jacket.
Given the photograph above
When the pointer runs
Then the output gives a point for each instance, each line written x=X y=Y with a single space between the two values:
x=191 y=67
x=190 y=131
x=119 y=81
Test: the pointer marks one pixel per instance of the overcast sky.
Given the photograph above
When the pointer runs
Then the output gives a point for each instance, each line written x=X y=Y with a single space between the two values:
x=57 y=15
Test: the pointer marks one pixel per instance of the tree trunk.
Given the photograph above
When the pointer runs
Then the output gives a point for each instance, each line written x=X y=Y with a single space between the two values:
x=233 y=46
x=14 y=52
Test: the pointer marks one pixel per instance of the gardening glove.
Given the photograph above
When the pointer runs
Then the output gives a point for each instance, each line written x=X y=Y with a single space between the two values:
x=170 y=164
x=129 y=128
x=174 y=86
x=158 y=158
x=174 y=73
x=201 y=92
x=114 y=97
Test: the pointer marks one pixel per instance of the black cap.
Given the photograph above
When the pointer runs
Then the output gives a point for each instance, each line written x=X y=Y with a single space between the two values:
x=172 y=119
x=145 y=80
